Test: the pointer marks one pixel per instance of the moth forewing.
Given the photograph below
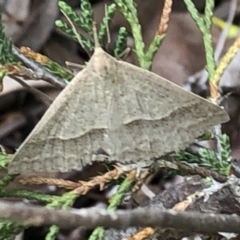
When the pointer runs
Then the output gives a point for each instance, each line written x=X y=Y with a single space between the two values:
x=132 y=114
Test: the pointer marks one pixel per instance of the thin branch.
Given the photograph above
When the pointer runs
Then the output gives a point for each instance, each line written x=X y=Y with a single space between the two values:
x=201 y=171
x=40 y=95
x=92 y=217
x=80 y=187
x=39 y=70
x=171 y=162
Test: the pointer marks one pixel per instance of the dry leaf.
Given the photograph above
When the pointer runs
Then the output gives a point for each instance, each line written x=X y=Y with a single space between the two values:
x=133 y=115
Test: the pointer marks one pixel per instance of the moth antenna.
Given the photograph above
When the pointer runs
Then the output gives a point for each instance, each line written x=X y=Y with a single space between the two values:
x=108 y=31
x=95 y=35
x=78 y=36
x=74 y=30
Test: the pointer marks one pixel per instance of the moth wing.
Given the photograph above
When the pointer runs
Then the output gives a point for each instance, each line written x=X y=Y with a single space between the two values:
x=70 y=131
x=158 y=116
x=132 y=113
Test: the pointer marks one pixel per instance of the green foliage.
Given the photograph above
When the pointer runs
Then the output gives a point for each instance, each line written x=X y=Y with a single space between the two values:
x=30 y=195
x=3 y=73
x=145 y=57
x=206 y=136
x=8 y=58
x=64 y=201
x=121 y=43
x=58 y=70
x=5 y=180
x=106 y=21
x=4 y=160
x=86 y=20
x=218 y=162
x=85 y=23
x=66 y=29
x=82 y=22
x=225 y=152
x=204 y=25
x=9 y=230
x=6 y=55
x=210 y=159
x=116 y=200
x=187 y=157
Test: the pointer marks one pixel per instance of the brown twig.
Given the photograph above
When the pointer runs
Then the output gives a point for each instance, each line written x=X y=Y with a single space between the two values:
x=163 y=25
x=39 y=70
x=196 y=170
x=80 y=187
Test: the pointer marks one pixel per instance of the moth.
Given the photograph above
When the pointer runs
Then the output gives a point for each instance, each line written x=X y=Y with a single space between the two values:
x=132 y=115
